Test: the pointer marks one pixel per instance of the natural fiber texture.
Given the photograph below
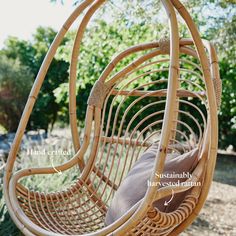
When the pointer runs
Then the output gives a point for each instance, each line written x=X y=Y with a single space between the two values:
x=164 y=44
x=218 y=90
x=164 y=111
x=98 y=94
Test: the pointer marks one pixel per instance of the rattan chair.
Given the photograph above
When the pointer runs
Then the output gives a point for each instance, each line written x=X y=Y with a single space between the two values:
x=112 y=143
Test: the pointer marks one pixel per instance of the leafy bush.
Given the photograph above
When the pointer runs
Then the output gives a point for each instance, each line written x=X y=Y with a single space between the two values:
x=7 y=228
x=31 y=55
x=102 y=41
x=15 y=83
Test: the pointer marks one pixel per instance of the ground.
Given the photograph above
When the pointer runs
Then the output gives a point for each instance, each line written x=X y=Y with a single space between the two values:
x=218 y=217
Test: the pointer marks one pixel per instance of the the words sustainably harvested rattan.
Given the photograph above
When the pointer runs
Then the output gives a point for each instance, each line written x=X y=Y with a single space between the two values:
x=112 y=143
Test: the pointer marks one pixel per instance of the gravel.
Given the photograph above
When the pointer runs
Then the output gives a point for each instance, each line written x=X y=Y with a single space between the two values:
x=218 y=216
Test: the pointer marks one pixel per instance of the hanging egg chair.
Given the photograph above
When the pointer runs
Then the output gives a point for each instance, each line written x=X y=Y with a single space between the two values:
x=178 y=112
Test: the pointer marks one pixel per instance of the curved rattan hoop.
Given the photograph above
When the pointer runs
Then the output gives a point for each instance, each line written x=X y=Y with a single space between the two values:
x=55 y=213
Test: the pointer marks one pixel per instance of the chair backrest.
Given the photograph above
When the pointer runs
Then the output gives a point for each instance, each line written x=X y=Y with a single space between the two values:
x=132 y=103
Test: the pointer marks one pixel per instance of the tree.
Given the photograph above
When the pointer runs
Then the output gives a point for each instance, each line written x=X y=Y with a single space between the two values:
x=15 y=83
x=130 y=25
x=31 y=55
x=102 y=41
x=220 y=28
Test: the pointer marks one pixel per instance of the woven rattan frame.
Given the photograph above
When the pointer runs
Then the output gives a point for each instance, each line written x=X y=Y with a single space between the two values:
x=41 y=214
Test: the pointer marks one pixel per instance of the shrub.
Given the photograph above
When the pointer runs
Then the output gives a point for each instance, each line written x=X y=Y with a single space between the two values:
x=15 y=84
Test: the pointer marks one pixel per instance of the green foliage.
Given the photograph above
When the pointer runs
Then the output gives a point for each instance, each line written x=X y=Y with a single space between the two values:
x=7 y=228
x=101 y=43
x=31 y=55
x=216 y=20
x=225 y=42
x=227 y=116
x=15 y=83
x=104 y=39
